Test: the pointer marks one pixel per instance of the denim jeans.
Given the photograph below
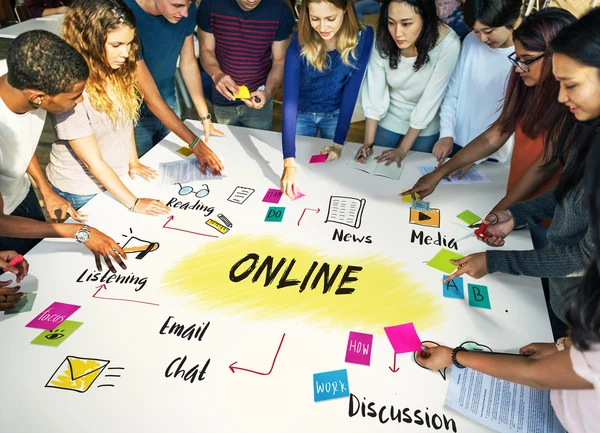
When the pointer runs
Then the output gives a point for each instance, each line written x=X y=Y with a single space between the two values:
x=150 y=130
x=309 y=124
x=242 y=115
x=363 y=7
x=76 y=200
x=387 y=138
x=29 y=208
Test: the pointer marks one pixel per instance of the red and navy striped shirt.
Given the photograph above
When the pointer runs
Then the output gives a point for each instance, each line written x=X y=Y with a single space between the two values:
x=244 y=38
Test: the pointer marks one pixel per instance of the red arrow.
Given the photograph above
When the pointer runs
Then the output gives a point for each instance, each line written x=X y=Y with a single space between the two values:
x=185 y=231
x=103 y=287
x=305 y=209
x=394 y=370
x=232 y=368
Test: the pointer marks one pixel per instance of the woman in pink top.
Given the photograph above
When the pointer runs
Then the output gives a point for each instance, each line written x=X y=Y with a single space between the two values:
x=571 y=367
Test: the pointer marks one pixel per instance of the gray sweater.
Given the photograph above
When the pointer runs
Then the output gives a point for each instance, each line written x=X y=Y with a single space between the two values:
x=565 y=259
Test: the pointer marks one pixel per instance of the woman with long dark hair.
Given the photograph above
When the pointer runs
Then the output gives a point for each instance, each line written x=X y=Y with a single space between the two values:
x=572 y=374
x=406 y=79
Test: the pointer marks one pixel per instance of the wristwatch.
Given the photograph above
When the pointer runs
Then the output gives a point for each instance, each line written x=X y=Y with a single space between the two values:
x=203 y=118
x=83 y=234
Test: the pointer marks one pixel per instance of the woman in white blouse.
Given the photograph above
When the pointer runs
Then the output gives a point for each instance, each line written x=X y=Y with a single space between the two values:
x=408 y=72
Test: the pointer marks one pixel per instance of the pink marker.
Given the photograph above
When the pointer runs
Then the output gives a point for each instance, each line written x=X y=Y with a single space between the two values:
x=15 y=261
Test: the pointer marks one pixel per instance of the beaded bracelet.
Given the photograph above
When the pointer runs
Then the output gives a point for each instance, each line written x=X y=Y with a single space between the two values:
x=133 y=207
x=196 y=140
x=454 y=352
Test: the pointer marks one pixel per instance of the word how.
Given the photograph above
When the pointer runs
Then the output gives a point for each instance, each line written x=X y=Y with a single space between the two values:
x=358 y=350
x=243 y=268
x=187 y=375
x=108 y=277
x=339 y=235
x=428 y=240
x=187 y=205
x=192 y=331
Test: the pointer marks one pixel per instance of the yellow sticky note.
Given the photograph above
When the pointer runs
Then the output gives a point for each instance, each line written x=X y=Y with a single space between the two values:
x=244 y=93
x=408 y=198
x=185 y=151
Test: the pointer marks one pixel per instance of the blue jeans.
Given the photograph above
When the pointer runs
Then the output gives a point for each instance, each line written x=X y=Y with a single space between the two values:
x=366 y=7
x=28 y=208
x=76 y=200
x=387 y=138
x=310 y=123
x=150 y=130
x=242 y=115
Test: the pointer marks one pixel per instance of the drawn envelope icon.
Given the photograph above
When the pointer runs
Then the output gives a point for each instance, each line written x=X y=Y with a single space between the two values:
x=77 y=374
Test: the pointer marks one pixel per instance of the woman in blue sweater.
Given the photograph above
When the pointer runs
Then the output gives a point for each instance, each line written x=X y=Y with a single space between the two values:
x=324 y=68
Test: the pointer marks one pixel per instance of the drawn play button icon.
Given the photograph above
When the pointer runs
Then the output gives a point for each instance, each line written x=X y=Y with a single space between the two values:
x=429 y=218
x=423 y=217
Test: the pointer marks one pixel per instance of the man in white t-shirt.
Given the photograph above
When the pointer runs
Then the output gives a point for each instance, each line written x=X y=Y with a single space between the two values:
x=476 y=90
x=42 y=73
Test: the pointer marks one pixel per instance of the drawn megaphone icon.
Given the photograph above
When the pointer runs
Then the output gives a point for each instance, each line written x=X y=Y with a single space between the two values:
x=140 y=246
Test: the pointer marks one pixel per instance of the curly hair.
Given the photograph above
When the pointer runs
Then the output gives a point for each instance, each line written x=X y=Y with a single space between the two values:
x=40 y=60
x=114 y=92
x=425 y=42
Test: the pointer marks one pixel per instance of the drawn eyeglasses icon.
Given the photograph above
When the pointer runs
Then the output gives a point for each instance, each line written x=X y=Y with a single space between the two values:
x=185 y=190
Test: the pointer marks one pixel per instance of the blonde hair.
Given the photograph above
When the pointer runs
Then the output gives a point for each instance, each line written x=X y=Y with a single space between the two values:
x=311 y=43
x=114 y=92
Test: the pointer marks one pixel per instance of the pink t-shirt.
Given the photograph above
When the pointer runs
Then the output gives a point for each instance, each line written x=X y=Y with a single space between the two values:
x=579 y=411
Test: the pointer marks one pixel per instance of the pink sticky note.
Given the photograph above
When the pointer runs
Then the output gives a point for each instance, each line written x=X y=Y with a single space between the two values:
x=300 y=195
x=272 y=196
x=404 y=338
x=53 y=316
x=359 y=348
x=317 y=159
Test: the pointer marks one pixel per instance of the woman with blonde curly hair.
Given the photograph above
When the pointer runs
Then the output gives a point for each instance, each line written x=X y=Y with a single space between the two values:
x=95 y=143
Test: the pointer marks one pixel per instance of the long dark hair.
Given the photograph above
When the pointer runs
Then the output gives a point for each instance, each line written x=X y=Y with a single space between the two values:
x=581 y=42
x=496 y=13
x=536 y=109
x=386 y=45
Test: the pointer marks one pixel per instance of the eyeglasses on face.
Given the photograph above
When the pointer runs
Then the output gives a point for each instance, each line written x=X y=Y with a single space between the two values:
x=185 y=190
x=523 y=64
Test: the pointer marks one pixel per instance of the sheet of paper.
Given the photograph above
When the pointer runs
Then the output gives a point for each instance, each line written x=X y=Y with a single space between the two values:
x=441 y=261
x=474 y=175
x=479 y=296
x=24 y=305
x=187 y=170
x=500 y=405
x=368 y=166
x=318 y=159
x=391 y=171
x=272 y=196
x=468 y=217
x=404 y=338
x=330 y=385
x=57 y=335
x=359 y=348
x=454 y=288
x=53 y=316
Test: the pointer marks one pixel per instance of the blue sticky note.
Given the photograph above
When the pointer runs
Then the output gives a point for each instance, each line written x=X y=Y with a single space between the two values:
x=330 y=385
x=454 y=289
x=479 y=297
x=274 y=214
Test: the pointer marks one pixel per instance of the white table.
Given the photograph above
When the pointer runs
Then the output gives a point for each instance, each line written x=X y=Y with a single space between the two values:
x=189 y=277
x=50 y=23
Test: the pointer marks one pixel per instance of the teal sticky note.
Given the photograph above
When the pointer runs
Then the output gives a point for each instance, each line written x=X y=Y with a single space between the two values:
x=479 y=297
x=330 y=385
x=275 y=214
x=24 y=305
x=55 y=337
x=454 y=288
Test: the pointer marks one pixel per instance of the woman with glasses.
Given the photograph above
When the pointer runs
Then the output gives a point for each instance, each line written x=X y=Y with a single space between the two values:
x=531 y=112
x=95 y=143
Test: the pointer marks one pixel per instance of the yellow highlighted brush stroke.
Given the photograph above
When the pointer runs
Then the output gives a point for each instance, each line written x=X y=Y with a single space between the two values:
x=385 y=295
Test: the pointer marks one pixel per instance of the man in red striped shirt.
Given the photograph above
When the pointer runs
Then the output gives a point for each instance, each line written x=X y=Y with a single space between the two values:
x=243 y=43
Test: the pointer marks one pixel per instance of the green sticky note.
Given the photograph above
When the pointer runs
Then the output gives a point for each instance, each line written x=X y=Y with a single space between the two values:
x=56 y=336
x=275 y=214
x=441 y=261
x=468 y=217
x=479 y=297
x=24 y=305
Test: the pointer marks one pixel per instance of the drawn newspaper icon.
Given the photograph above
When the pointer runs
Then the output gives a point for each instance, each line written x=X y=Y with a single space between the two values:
x=346 y=210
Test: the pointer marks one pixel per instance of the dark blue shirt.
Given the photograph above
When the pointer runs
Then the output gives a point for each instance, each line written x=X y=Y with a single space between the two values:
x=161 y=43
x=336 y=87
x=243 y=39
